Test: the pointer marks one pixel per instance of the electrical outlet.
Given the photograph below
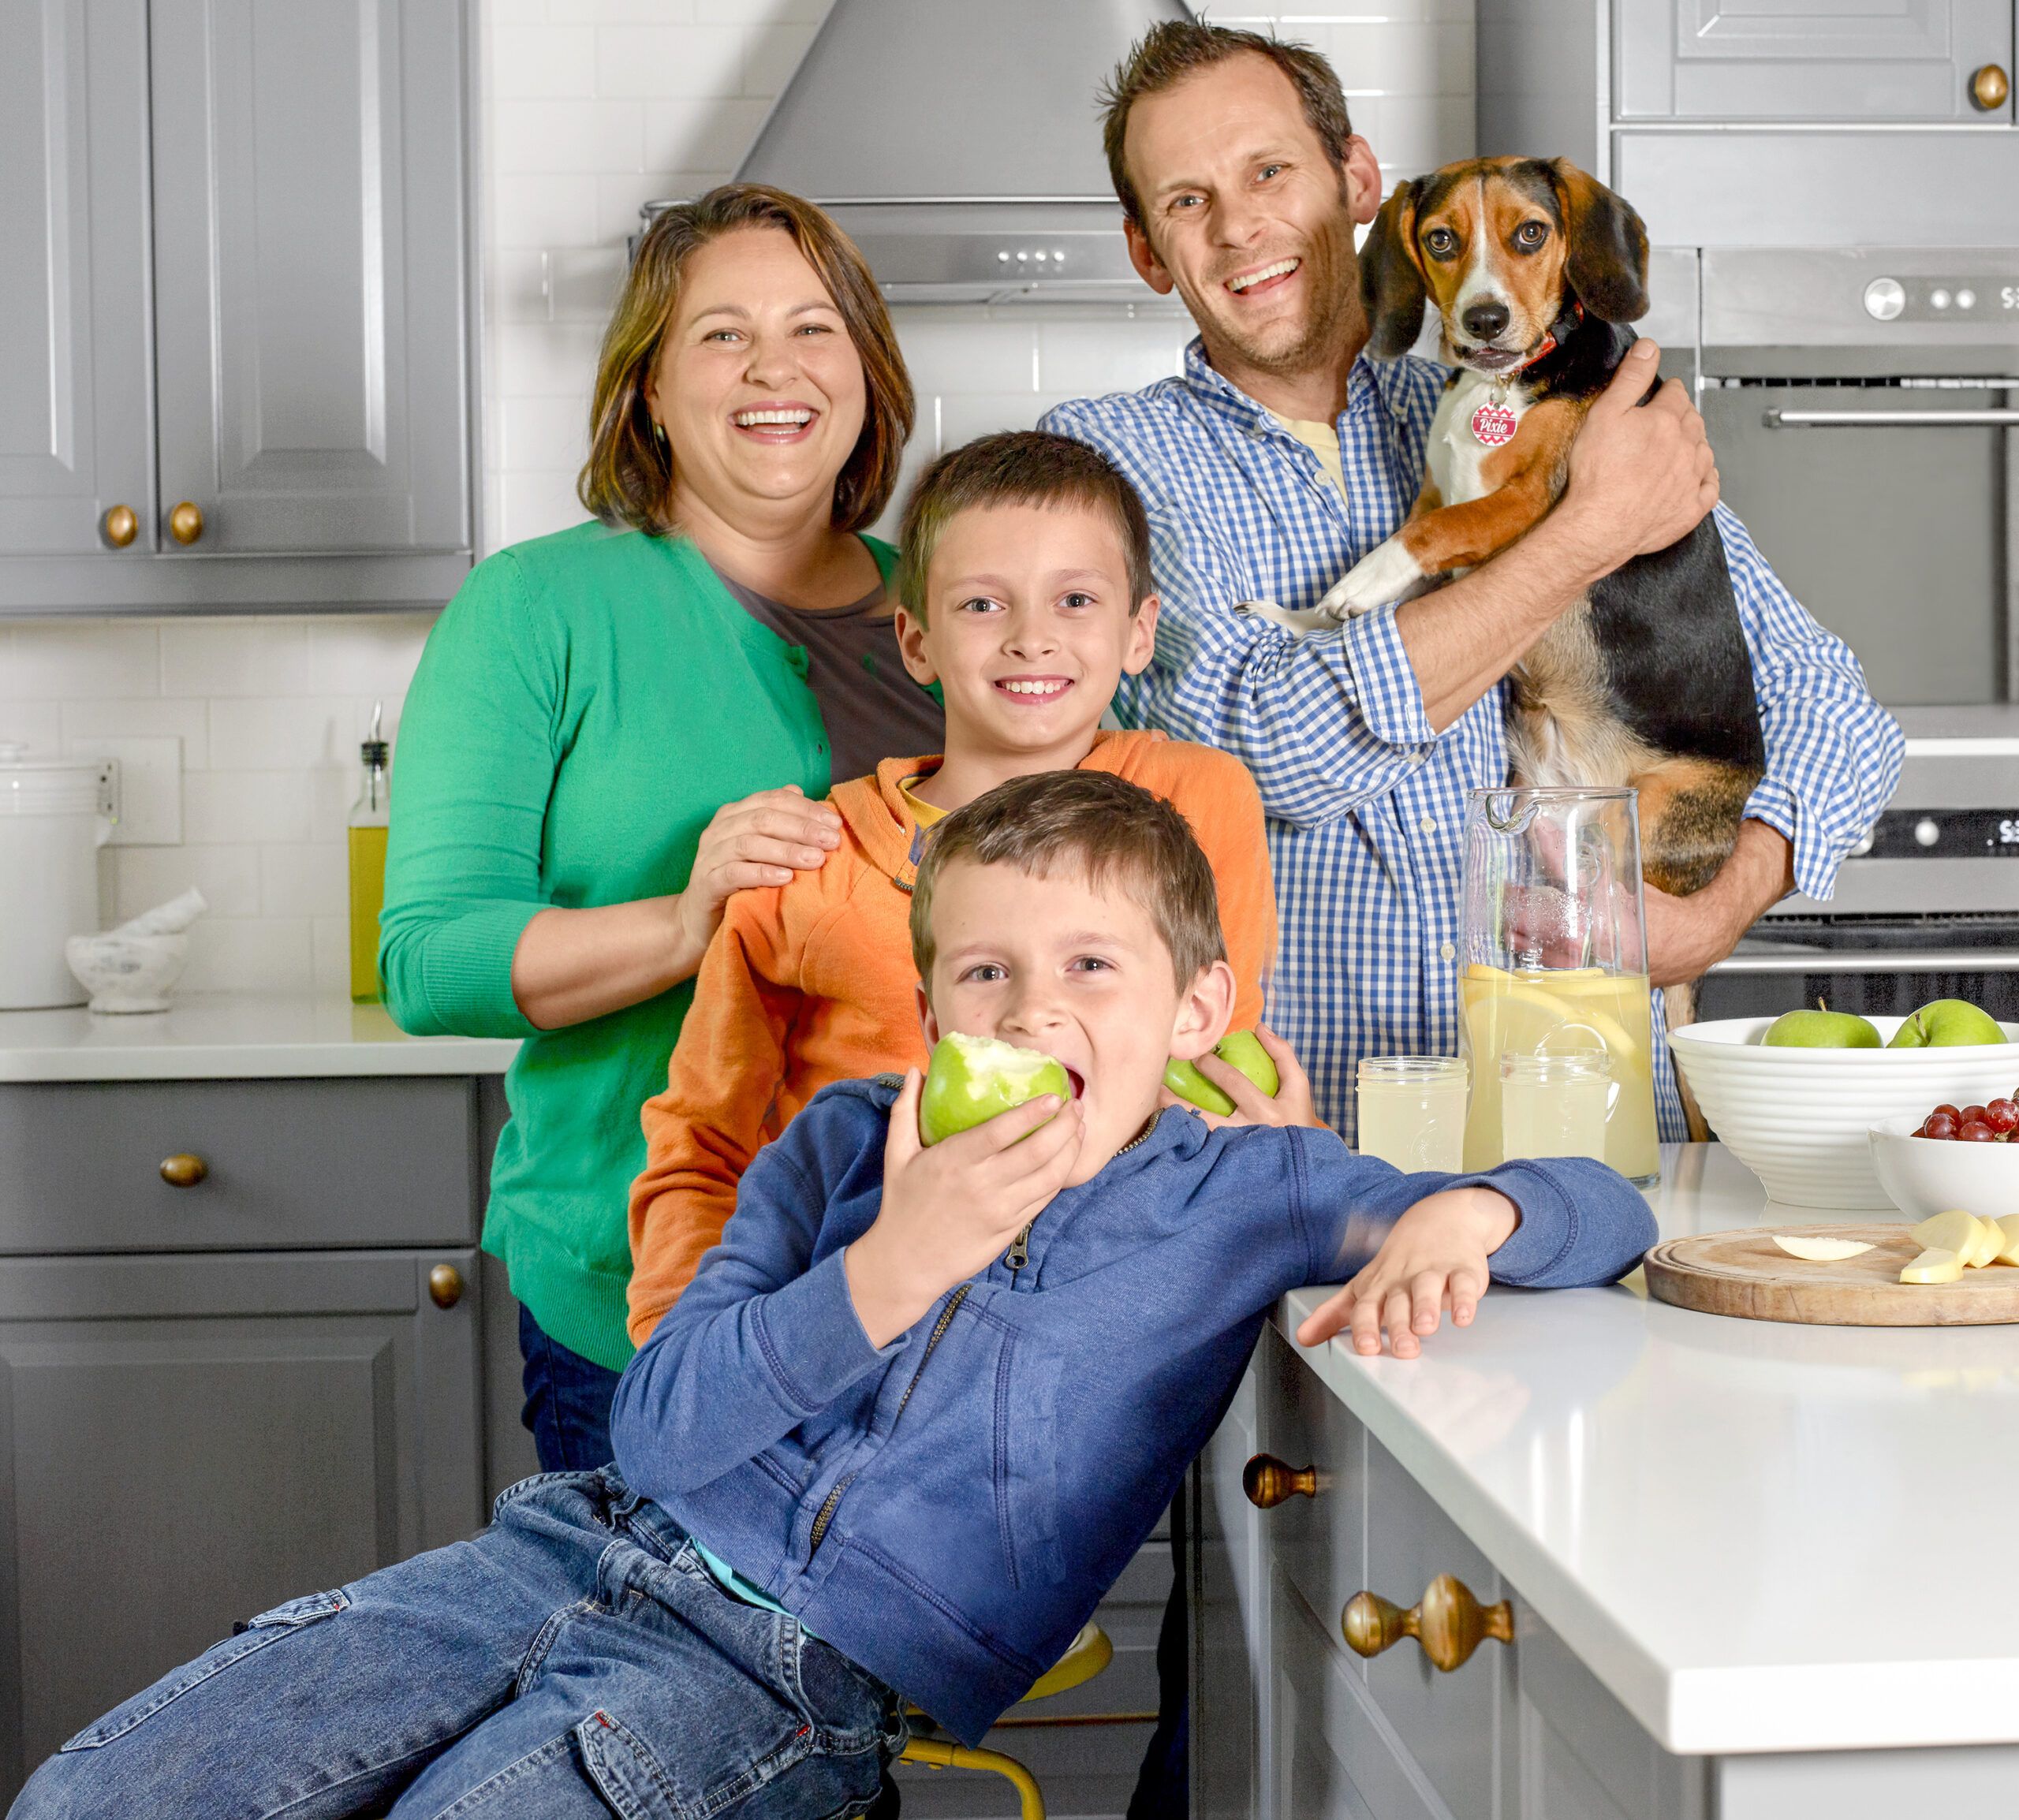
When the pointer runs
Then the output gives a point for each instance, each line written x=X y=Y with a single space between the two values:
x=150 y=787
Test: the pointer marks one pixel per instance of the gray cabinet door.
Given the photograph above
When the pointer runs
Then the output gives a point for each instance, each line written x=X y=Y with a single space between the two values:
x=187 y=1441
x=1230 y=1621
x=74 y=436
x=309 y=274
x=1771 y=60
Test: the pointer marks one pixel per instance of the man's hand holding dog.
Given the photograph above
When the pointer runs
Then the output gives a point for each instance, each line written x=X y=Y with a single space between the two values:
x=1641 y=477
x=951 y=1210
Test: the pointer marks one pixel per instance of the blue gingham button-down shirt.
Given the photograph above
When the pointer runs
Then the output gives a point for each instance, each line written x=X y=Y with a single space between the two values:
x=1366 y=801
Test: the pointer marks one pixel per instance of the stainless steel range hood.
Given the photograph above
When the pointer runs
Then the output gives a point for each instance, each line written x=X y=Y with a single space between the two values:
x=958 y=143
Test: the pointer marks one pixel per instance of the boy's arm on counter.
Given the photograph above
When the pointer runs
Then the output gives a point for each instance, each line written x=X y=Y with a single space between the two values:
x=702 y=1132
x=1577 y=1222
x=767 y=1335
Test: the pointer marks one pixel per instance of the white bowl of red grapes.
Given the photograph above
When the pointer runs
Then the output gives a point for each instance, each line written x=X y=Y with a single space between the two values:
x=1952 y=1156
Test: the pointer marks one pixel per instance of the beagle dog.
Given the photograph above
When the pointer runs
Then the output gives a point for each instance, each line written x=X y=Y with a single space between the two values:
x=1535 y=268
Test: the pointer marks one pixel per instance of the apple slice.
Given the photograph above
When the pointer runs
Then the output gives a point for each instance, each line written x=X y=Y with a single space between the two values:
x=1954 y=1231
x=1819 y=1251
x=2008 y=1253
x=1990 y=1241
x=1936 y=1265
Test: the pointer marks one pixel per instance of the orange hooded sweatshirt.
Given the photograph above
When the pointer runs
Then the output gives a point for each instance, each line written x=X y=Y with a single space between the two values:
x=811 y=983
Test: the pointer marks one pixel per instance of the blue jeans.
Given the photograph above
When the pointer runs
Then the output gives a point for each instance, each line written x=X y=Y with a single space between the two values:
x=573 y=1660
x=568 y=1400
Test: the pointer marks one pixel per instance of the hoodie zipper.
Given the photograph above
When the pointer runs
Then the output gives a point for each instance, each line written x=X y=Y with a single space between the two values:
x=826 y=1514
x=1019 y=1254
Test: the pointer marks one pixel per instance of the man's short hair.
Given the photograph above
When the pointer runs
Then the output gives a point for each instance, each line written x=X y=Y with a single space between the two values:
x=1167 y=54
x=1089 y=825
x=1019 y=467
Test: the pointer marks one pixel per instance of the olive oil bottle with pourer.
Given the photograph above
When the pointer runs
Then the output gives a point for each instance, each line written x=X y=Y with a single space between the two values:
x=370 y=816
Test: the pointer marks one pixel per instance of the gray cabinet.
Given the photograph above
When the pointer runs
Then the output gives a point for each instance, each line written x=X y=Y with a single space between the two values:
x=1795 y=60
x=188 y=1437
x=239 y=247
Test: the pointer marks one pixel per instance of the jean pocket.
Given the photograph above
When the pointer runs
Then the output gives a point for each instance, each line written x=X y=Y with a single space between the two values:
x=254 y=1634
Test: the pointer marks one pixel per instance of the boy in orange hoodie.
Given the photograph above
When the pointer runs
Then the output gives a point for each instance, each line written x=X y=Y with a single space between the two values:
x=1024 y=576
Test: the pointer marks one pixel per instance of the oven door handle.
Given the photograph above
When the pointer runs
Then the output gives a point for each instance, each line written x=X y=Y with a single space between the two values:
x=1874 y=960
x=1779 y=420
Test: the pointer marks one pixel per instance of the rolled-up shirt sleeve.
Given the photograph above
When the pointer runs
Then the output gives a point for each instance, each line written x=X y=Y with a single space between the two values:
x=1833 y=753
x=1325 y=722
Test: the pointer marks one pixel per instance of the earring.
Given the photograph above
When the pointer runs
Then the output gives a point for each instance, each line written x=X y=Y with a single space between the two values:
x=659 y=432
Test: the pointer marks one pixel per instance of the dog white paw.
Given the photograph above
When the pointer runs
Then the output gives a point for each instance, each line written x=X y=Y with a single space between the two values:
x=1310 y=620
x=1385 y=573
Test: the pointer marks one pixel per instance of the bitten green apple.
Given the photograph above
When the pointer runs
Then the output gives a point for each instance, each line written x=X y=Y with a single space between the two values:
x=1947 y=1023
x=1820 y=1029
x=1238 y=1048
x=973 y=1078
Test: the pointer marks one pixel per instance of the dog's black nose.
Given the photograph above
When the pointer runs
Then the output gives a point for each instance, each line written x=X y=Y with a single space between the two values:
x=1484 y=320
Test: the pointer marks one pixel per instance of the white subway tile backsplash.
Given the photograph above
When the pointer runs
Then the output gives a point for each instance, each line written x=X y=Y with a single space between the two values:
x=955 y=349
x=147 y=717
x=774 y=53
x=529 y=359
x=233 y=657
x=682 y=136
x=963 y=418
x=537 y=62
x=330 y=954
x=310 y=879
x=38 y=726
x=277 y=734
x=538 y=501
x=763 y=12
x=575 y=135
x=228 y=878
x=551 y=433
x=255 y=806
x=367 y=657
x=545 y=209
x=654 y=62
x=249 y=954
x=1090 y=357
x=42 y=660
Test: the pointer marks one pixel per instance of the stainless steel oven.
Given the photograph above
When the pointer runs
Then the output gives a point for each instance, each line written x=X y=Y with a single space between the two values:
x=1928 y=907
x=1865 y=408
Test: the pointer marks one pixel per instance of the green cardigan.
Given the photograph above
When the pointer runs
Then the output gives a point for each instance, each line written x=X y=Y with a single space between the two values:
x=585 y=704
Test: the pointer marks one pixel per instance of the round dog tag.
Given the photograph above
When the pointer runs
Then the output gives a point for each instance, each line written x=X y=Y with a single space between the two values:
x=1493 y=424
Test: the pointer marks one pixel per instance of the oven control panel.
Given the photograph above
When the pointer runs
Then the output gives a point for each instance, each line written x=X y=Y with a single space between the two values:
x=1942 y=835
x=1939 y=299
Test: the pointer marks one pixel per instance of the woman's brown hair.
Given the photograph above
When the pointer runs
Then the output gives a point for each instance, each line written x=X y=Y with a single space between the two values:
x=627 y=479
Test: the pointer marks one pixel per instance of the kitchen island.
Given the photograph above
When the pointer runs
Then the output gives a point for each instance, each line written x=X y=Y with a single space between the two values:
x=1753 y=1570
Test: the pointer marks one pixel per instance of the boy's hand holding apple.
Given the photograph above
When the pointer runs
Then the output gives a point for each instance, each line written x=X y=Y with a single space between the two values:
x=1434 y=1258
x=951 y=1209
x=1246 y=1083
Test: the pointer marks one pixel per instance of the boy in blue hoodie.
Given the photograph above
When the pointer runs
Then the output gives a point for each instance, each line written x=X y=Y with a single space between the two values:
x=912 y=1418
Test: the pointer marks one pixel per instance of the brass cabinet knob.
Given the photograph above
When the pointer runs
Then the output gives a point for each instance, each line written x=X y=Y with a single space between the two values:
x=120 y=526
x=445 y=1285
x=1989 y=88
x=1268 y=1481
x=184 y=1171
x=1448 y=1621
x=185 y=522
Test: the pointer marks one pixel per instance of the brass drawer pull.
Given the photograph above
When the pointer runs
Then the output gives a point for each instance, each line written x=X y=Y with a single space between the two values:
x=1448 y=1621
x=185 y=522
x=120 y=526
x=1268 y=1481
x=184 y=1171
x=445 y=1285
x=1989 y=88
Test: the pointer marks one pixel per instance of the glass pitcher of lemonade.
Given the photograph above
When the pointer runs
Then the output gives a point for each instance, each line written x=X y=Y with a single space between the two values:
x=1555 y=959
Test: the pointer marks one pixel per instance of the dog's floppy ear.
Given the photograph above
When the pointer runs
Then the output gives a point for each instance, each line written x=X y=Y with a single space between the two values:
x=1606 y=260
x=1391 y=287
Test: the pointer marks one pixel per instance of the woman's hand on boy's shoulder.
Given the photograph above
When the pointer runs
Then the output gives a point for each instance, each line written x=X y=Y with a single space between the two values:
x=1434 y=1258
x=951 y=1210
x=1292 y=1105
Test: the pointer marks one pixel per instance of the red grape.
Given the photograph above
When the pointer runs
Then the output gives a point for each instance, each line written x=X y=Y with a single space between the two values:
x=2001 y=1115
x=1976 y=1131
x=1951 y=1111
x=1939 y=1124
x=1971 y=1115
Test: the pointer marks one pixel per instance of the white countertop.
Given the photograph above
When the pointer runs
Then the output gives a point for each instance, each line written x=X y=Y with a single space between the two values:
x=234 y=1036
x=1760 y=1537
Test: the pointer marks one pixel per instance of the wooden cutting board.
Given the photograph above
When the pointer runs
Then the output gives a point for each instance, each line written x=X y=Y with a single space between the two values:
x=1745 y=1274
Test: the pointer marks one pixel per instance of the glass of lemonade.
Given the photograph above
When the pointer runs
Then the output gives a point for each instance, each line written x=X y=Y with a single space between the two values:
x=1555 y=958
x=1411 y=1110
x=1554 y=1104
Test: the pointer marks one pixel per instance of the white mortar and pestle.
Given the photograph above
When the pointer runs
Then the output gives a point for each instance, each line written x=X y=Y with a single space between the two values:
x=133 y=967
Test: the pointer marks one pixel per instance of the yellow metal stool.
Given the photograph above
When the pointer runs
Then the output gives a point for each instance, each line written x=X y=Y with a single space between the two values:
x=1090 y=1652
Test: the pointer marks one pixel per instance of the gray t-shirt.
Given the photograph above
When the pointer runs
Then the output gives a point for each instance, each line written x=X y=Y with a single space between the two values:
x=872 y=708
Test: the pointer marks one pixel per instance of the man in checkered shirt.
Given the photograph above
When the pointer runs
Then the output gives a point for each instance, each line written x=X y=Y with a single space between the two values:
x=1282 y=455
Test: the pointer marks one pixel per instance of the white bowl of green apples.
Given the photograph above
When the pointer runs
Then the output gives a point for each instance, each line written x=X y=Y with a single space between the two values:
x=1795 y=1097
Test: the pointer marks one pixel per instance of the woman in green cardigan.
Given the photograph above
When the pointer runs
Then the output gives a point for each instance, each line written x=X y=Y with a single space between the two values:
x=615 y=728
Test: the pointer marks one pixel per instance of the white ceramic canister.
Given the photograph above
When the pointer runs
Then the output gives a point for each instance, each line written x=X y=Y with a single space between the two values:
x=54 y=815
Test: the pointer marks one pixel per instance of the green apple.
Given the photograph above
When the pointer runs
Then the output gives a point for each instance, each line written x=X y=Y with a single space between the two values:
x=1820 y=1029
x=1239 y=1048
x=973 y=1078
x=1947 y=1023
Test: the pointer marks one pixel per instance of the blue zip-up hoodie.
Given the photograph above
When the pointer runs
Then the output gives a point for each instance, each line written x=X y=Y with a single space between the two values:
x=948 y=1511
